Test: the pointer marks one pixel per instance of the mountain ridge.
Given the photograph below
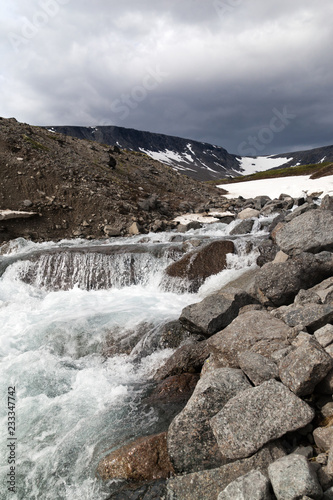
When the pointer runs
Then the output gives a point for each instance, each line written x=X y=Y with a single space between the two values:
x=198 y=160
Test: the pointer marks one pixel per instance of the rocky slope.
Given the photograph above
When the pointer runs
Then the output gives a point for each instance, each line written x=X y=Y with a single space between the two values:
x=196 y=159
x=259 y=423
x=76 y=187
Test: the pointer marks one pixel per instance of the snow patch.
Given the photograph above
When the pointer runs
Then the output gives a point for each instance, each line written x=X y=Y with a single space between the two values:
x=251 y=165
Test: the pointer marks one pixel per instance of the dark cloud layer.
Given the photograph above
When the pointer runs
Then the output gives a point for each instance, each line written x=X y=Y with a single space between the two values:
x=252 y=76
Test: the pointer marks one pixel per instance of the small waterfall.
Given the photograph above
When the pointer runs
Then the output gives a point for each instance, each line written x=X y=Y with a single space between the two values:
x=95 y=269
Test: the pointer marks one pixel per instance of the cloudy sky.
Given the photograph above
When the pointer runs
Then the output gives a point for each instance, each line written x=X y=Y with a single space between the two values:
x=253 y=76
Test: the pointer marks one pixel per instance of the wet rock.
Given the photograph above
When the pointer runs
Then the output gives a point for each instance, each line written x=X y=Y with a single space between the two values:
x=145 y=459
x=155 y=490
x=191 y=442
x=292 y=477
x=186 y=359
x=175 y=389
x=207 y=484
x=268 y=251
x=310 y=232
x=214 y=312
x=258 y=368
x=182 y=228
x=251 y=486
x=255 y=331
x=303 y=368
x=242 y=427
x=278 y=284
x=245 y=227
x=198 y=265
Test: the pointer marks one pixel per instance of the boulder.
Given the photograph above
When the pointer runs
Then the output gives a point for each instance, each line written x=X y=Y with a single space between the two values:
x=324 y=291
x=175 y=389
x=191 y=442
x=292 y=477
x=323 y=437
x=207 y=484
x=155 y=490
x=134 y=229
x=268 y=251
x=303 y=368
x=198 y=265
x=248 y=213
x=327 y=203
x=258 y=368
x=256 y=416
x=214 y=312
x=255 y=331
x=308 y=316
x=251 y=486
x=186 y=359
x=301 y=209
x=244 y=227
x=145 y=459
x=309 y=232
x=278 y=284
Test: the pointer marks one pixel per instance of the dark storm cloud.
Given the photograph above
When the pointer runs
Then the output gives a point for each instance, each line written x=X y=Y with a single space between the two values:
x=220 y=71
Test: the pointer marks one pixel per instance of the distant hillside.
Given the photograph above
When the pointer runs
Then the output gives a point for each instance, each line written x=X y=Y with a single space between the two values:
x=199 y=160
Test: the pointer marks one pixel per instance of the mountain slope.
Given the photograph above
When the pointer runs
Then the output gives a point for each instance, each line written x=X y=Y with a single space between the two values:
x=201 y=161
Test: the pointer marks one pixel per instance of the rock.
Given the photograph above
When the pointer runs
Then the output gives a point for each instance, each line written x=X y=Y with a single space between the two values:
x=191 y=442
x=280 y=257
x=328 y=494
x=186 y=359
x=330 y=462
x=325 y=479
x=258 y=368
x=307 y=297
x=260 y=201
x=309 y=316
x=15 y=214
x=177 y=388
x=215 y=312
x=182 y=228
x=111 y=231
x=327 y=203
x=301 y=209
x=324 y=335
x=145 y=459
x=244 y=227
x=27 y=203
x=248 y=213
x=242 y=427
x=268 y=251
x=303 y=368
x=134 y=229
x=324 y=290
x=198 y=265
x=255 y=331
x=278 y=284
x=292 y=477
x=155 y=490
x=251 y=486
x=207 y=484
x=323 y=437
x=310 y=232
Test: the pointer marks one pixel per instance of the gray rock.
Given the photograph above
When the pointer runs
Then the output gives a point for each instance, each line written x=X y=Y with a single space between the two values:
x=308 y=316
x=327 y=203
x=256 y=416
x=323 y=437
x=258 y=368
x=310 y=232
x=325 y=479
x=303 y=368
x=278 y=284
x=324 y=335
x=248 y=213
x=328 y=494
x=325 y=291
x=300 y=210
x=255 y=331
x=292 y=477
x=326 y=385
x=188 y=358
x=260 y=201
x=214 y=312
x=251 y=486
x=268 y=251
x=244 y=227
x=207 y=484
x=182 y=228
x=191 y=443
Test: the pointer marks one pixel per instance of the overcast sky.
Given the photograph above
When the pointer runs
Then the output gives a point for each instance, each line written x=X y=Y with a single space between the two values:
x=253 y=76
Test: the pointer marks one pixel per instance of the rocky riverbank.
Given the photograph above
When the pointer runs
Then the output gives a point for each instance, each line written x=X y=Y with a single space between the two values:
x=259 y=422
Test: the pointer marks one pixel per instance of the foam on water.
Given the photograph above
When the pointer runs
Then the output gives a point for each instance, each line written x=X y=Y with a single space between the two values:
x=72 y=403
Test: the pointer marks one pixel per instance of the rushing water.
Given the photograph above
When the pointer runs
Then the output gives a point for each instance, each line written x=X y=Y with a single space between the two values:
x=58 y=310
